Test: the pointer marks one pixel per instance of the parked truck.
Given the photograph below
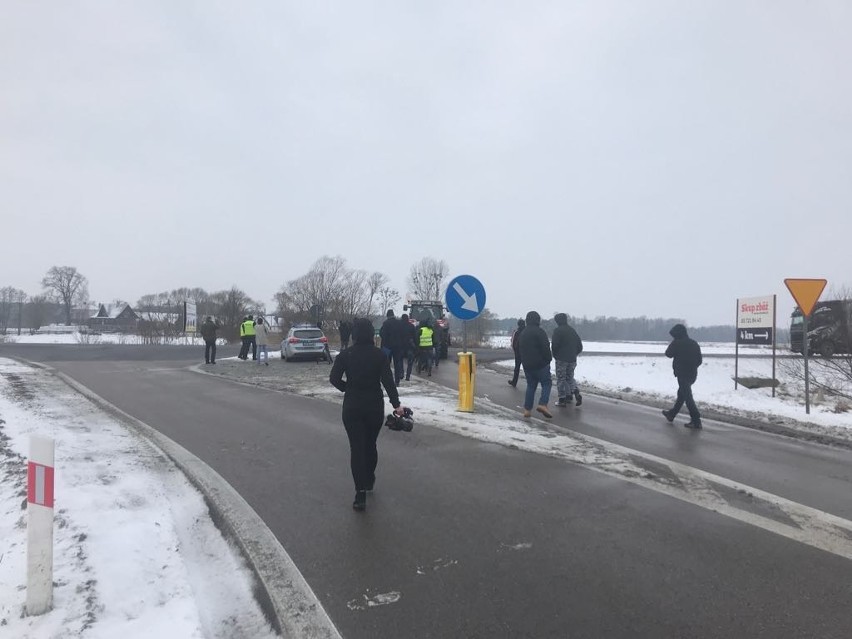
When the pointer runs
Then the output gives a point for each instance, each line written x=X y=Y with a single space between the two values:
x=828 y=328
x=435 y=312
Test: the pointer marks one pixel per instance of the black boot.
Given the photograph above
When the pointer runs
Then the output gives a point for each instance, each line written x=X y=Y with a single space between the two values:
x=360 y=502
x=669 y=417
x=578 y=398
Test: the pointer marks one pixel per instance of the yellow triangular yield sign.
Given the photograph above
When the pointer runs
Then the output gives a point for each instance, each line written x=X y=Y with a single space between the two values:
x=806 y=292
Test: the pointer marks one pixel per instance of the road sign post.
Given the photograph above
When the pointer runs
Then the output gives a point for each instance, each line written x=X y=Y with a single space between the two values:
x=40 y=526
x=755 y=326
x=465 y=298
x=806 y=292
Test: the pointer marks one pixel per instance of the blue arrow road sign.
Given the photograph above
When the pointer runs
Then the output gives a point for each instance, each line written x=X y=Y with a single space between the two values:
x=465 y=297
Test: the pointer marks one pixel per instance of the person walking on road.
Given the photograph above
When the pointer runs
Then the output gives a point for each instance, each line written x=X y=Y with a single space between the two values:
x=209 y=331
x=345 y=330
x=247 y=334
x=686 y=358
x=261 y=336
x=566 y=345
x=392 y=343
x=536 y=358
x=360 y=372
x=516 y=348
x=409 y=340
x=426 y=346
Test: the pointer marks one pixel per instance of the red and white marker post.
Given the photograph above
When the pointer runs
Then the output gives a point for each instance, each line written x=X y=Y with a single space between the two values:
x=40 y=526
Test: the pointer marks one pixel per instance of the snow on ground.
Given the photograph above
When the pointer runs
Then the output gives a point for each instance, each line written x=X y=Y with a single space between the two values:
x=136 y=553
x=708 y=348
x=76 y=337
x=651 y=378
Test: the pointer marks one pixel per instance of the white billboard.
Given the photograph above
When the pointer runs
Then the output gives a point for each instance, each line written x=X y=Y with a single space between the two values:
x=756 y=312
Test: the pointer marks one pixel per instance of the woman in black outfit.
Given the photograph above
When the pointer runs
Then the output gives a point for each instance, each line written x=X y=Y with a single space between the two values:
x=366 y=370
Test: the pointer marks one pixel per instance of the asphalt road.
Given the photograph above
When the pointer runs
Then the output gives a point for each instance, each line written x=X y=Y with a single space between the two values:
x=479 y=540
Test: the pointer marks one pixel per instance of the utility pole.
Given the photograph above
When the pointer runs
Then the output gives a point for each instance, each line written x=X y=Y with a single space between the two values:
x=21 y=297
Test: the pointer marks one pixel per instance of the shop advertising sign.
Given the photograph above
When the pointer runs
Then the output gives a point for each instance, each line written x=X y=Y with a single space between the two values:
x=756 y=320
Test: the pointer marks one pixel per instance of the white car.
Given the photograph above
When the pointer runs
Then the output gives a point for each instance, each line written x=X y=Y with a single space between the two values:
x=305 y=342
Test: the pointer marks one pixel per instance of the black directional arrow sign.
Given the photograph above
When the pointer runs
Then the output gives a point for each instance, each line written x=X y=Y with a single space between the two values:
x=759 y=336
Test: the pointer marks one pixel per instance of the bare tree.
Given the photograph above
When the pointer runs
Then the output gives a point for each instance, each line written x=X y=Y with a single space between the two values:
x=68 y=285
x=38 y=308
x=329 y=291
x=426 y=278
x=11 y=300
x=388 y=298
x=375 y=283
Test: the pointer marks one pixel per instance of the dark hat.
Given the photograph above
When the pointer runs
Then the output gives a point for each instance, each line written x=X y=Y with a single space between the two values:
x=389 y=313
x=521 y=323
x=363 y=331
x=533 y=318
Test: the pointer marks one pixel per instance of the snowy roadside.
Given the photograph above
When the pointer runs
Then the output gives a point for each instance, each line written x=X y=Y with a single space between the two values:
x=649 y=380
x=135 y=551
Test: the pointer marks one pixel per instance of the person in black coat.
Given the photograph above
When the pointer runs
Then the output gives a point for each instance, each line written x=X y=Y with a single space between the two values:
x=209 y=331
x=409 y=340
x=345 y=329
x=516 y=348
x=365 y=369
x=686 y=358
x=566 y=345
x=536 y=358
x=392 y=333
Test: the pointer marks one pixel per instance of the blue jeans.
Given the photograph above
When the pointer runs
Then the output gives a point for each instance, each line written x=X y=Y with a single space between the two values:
x=534 y=378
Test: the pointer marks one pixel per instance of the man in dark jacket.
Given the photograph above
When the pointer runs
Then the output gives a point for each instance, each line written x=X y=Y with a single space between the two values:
x=566 y=345
x=393 y=343
x=209 y=330
x=686 y=358
x=516 y=348
x=345 y=329
x=536 y=358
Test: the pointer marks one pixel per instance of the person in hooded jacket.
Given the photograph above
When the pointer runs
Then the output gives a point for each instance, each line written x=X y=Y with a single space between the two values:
x=686 y=358
x=360 y=372
x=516 y=349
x=536 y=358
x=566 y=345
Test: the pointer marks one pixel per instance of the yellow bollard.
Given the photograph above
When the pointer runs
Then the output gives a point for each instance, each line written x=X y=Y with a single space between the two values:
x=467 y=381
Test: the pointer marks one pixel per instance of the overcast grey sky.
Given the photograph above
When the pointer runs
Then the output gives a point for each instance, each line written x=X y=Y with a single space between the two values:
x=658 y=158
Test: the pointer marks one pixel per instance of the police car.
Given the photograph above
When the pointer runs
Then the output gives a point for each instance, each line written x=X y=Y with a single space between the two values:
x=305 y=341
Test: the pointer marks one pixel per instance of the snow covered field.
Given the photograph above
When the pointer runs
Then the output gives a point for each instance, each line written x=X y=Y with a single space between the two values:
x=651 y=377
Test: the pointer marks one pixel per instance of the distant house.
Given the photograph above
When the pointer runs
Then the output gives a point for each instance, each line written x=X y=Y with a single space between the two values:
x=114 y=320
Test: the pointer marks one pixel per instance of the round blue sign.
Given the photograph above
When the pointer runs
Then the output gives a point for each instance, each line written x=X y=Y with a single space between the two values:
x=465 y=297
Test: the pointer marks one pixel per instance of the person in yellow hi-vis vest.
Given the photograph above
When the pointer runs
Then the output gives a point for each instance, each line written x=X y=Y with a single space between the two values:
x=425 y=346
x=247 y=334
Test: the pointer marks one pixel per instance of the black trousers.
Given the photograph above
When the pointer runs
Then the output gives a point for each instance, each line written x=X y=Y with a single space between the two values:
x=209 y=350
x=363 y=425
x=397 y=355
x=410 y=355
x=244 y=347
x=517 y=368
x=684 y=396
